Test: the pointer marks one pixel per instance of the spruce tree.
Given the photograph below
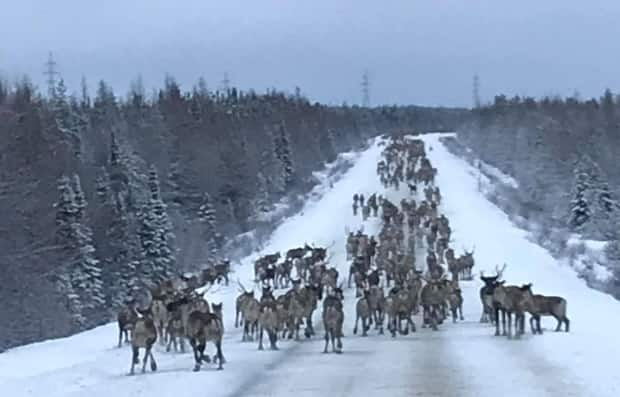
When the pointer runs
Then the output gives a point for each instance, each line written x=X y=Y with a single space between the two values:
x=207 y=216
x=102 y=185
x=580 y=211
x=80 y=200
x=602 y=205
x=262 y=202
x=607 y=204
x=125 y=181
x=65 y=237
x=62 y=111
x=74 y=303
x=86 y=275
x=81 y=279
x=115 y=151
x=123 y=273
x=270 y=166
x=66 y=210
x=155 y=234
x=283 y=152
x=66 y=118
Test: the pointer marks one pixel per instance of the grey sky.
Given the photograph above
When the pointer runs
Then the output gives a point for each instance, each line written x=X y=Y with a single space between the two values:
x=421 y=52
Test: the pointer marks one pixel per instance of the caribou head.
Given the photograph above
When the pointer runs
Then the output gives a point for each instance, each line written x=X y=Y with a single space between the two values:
x=493 y=280
x=469 y=253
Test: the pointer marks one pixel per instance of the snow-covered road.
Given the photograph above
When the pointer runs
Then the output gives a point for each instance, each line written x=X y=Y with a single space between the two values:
x=462 y=359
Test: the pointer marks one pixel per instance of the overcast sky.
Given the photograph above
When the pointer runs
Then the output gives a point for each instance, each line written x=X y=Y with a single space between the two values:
x=417 y=51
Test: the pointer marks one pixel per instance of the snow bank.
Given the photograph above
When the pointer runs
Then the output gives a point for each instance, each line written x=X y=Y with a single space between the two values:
x=254 y=240
x=494 y=172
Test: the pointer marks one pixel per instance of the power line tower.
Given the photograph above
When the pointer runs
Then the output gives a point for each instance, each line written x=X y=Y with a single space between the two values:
x=476 y=91
x=365 y=90
x=51 y=73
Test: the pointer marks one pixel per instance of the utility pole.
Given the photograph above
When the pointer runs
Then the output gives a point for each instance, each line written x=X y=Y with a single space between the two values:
x=51 y=73
x=365 y=90
x=476 y=91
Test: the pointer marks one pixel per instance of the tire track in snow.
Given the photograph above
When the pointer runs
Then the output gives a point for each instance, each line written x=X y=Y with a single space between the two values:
x=258 y=382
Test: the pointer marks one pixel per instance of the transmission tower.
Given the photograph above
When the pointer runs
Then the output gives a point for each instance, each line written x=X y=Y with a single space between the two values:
x=51 y=73
x=365 y=90
x=476 y=91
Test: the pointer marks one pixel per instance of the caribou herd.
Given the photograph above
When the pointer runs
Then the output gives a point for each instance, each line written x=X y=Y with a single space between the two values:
x=389 y=286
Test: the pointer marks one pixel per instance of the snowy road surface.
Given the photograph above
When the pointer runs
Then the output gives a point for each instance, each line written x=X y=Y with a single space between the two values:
x=462 y=359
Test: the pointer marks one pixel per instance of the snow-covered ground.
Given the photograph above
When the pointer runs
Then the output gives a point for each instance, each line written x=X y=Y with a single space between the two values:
x=463 y=359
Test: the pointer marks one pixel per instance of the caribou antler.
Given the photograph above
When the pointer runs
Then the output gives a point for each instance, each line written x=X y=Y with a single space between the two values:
x=241 y=285
x=500 y=272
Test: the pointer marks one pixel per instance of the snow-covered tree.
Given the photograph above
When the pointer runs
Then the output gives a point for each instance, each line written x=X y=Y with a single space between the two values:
x=80 y=200
x=156 y=234
x=195 y=107
x=62 y=110
x=158 y=205
x=66 y=118
x=283 y=152
x=599 y=198
x=126 y=181
x=74 y=303
x=123 y=273
x=580 y=212
x=102 y=185
x=115 y=151
x=262 y=202
x=85 y=272
x=207 y=216
x=66 y=210
x=605 y=201
x=270 y=166
x=81 y=278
